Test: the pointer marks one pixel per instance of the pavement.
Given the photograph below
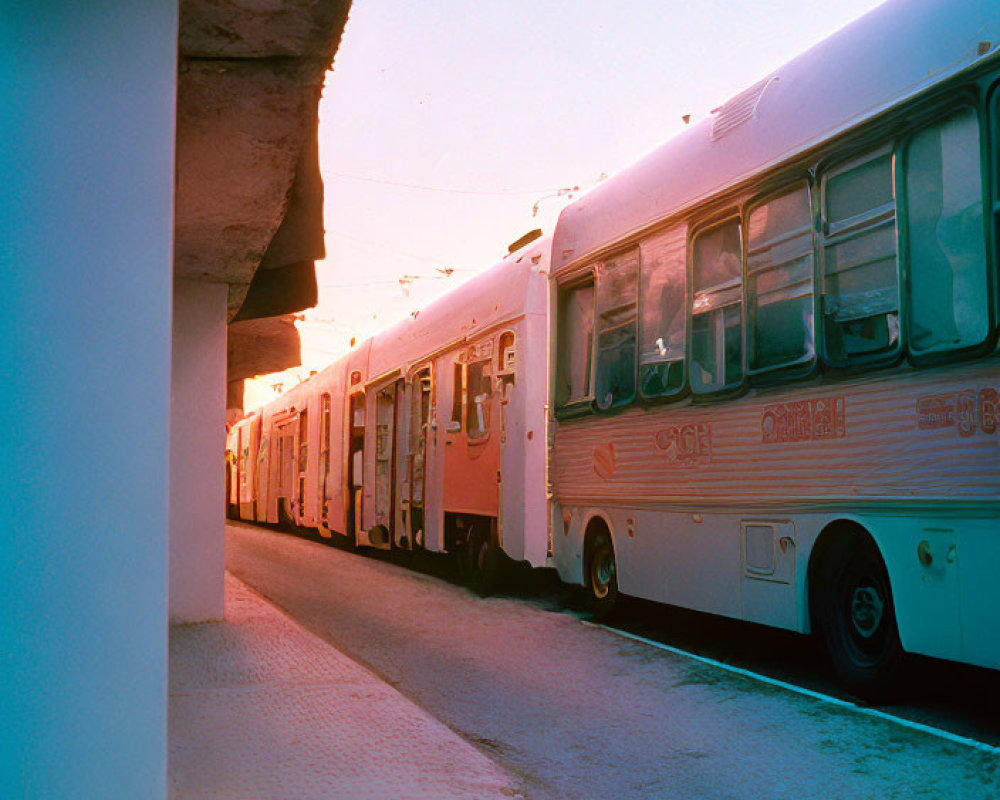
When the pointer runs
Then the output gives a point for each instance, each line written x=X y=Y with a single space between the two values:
x=260 y=708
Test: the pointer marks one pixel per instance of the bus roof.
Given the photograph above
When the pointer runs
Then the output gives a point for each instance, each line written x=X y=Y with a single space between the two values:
x=892 y=53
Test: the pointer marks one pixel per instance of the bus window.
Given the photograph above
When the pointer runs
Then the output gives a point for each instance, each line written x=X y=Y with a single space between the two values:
x=575 y=342
x=860 y=288
x=617 y=295
x=780 y=282
x=949 y=294
x=478 y=392
x=717 y=309
x=662 y=299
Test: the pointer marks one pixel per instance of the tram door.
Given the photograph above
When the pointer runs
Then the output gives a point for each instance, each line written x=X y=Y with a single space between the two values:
x=386 y=414
x=472 y=441
x=323 y=491
x=411 y=532
x=355 y=466
x=282 y=468
x=302 y=461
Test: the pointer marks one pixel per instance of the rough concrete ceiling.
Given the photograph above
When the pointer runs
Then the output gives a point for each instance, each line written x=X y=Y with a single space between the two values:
x=249 y=193
x=259 y=346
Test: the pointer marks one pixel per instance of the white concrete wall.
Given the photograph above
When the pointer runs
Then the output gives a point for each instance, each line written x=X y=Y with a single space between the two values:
x=87 y=92
x=197 y=445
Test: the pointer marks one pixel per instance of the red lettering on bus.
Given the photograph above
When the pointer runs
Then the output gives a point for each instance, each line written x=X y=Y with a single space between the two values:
x=966 y=413
x=989 y=410
x=804 y=421
x=935 y=411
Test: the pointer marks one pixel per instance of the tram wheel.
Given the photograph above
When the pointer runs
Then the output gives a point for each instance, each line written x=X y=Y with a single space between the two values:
x=602 y=578
x=857 y=619
x=485 y=561
x=285 y=516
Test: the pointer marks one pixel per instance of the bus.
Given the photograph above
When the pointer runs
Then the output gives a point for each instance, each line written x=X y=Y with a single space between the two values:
x=775 y=390
x=430 y=436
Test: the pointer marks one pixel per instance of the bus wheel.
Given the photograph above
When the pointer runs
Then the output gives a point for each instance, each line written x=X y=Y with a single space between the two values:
x=602 y=578
x=857 y=619
x=485 y=561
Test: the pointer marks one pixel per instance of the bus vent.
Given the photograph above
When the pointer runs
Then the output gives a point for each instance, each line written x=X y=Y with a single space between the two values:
x=740 y=109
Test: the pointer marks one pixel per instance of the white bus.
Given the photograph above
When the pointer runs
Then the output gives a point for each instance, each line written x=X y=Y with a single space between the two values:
x=775 y=381
x=429 y=436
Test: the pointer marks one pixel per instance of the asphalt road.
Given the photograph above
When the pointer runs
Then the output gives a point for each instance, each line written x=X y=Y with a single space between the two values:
x=575 y=711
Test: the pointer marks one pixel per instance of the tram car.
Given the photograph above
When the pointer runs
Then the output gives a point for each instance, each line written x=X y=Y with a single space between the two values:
x=428 y=436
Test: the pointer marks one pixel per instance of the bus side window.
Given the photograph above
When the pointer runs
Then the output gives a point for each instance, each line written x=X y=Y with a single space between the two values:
x=860 y=282
x=617 y=298
x=717 y=309
x=662 y=316
x=780 y=283
x=948 y=281
x=574 y=337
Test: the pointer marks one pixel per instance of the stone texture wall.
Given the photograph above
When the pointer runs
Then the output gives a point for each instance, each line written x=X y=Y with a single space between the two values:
x=249 y=200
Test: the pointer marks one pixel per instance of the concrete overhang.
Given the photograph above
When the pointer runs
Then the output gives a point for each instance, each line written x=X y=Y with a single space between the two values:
x=249 y=200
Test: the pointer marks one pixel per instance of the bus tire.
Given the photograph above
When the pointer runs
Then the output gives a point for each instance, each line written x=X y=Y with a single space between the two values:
x=485 y=560
x=602 y=577
x=857 y=619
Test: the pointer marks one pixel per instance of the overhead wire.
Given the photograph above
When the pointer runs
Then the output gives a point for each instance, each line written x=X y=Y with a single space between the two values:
x=442 y=189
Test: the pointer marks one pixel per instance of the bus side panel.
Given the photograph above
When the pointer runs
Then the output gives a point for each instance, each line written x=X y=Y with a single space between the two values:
x=896 y=435
x=979 y=591
x=945 y=608
x=690 y=560
x=913 y=457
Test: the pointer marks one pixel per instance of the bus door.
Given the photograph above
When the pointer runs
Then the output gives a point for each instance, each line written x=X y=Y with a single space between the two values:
x=411 y=533
x=355 y=467
x=472 y=437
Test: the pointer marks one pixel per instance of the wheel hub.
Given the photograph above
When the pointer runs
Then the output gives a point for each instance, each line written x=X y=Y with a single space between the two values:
x=867 y=610
x=604 y=571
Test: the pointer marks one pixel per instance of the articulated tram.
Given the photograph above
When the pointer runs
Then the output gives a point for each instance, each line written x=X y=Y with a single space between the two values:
x=773 y=386
x=430 y=435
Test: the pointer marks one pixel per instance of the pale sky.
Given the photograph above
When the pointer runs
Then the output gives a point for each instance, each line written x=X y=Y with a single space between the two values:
x=443 y=123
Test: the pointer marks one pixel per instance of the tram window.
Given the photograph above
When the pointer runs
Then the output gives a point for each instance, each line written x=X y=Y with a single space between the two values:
x=575 y=342
x=303 y=440
x=662 y=298
x=457 y=393
x=617 y=297
x=949 y=293
x=477 y=405
x=860 y=285
x=420 y=395
x=717 y=309
x=780 y=282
